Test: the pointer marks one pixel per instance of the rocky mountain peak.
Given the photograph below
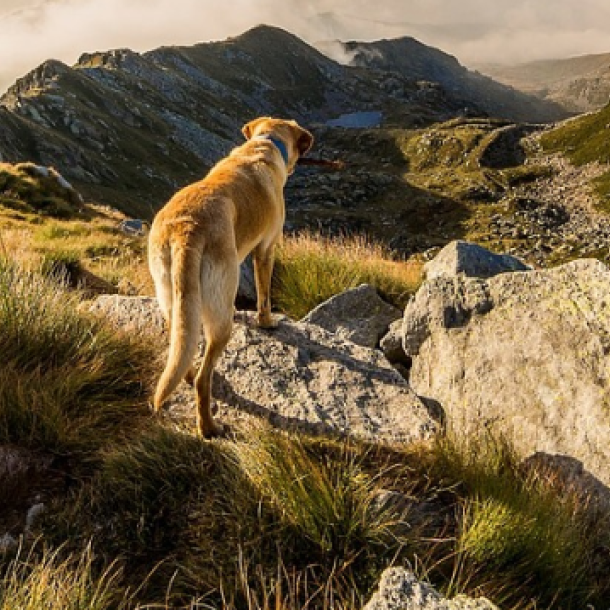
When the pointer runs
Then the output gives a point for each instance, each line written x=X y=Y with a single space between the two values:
x=42 y=78
x=116 y=59
x=422 y=61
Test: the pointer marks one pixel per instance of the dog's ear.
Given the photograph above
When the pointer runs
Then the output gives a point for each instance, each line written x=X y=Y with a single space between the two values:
x=304 y=140
x=248 y=128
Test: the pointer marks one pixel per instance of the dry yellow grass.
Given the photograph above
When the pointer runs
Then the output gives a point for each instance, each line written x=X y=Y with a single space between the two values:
x=312 y=269
x=95 y=241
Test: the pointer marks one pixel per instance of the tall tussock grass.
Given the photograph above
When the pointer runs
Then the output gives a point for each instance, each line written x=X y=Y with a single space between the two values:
x=270 y=519
x=518 y=537
x=68 y=382
x=262 y=520
x=312 y=268
x=42 y=579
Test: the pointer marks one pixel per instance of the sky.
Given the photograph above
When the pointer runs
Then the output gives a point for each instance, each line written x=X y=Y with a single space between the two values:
x=474 y=31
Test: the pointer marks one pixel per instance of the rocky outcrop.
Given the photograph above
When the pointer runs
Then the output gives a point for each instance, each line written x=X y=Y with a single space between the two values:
x=555 y=215
x=526 y=354
x=568 y=476
x=471 y=260
x=359 y=315
x=399 y=589
x=504 y=148
x=391 y=345
x=297 y=376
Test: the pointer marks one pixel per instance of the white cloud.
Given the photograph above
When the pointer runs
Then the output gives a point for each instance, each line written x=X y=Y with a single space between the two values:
x=474 y=31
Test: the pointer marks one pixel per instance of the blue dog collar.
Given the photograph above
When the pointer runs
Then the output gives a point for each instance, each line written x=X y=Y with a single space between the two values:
x=278 y=144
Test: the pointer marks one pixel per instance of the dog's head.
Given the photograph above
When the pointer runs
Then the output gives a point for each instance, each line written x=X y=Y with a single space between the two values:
x=296 y=140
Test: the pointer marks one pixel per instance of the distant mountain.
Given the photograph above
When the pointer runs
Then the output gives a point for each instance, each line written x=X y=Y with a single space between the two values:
x=128 y=129
x=578 y=84
x=408 y=56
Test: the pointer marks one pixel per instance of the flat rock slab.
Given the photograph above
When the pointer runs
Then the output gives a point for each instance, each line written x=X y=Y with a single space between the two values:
x=296 y=376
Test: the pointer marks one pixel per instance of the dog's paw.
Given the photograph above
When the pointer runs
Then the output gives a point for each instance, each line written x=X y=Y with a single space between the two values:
x=155 y=408
x=266 y=322
x=213 y=431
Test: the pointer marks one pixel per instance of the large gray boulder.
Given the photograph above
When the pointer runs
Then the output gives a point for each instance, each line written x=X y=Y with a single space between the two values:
x=525 y=354
x=399 y=589
x=462 y=257
x=297 y=375
x=359 y=315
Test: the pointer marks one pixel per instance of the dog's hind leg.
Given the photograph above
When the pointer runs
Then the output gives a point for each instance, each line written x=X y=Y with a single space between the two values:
x=220 y=288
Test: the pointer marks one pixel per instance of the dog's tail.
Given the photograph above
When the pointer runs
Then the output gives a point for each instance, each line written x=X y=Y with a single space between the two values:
x=185 y=324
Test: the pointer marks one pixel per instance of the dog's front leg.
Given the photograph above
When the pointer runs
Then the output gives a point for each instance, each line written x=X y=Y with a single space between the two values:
x=263 y=269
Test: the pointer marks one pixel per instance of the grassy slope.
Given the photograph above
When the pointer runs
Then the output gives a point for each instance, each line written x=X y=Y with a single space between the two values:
x=585 y=140
x=264 y=519
x=42 y=225
x=149 y=514
x=144 y=513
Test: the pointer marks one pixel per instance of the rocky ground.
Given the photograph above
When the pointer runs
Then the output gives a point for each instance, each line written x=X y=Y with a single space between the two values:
x=555 y=215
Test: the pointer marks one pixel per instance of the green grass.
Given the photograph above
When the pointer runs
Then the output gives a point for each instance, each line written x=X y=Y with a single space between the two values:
x=271 y=519
x=311 y=269
x=268 y=515
x=446 y=159
x=93 y=242
x=67 y=381
x=602 y=188
x=584 y=139
x=518 y=537
x=44 y=579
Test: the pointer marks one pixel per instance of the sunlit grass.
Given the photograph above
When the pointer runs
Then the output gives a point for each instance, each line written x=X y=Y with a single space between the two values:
x=48 y=580
x=518 y=538
x=312 y=268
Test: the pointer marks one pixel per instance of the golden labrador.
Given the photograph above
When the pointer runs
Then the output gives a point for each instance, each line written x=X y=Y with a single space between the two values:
x=200 y=237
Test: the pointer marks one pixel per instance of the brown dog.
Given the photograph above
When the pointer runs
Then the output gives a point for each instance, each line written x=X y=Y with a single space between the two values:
x=198 y=240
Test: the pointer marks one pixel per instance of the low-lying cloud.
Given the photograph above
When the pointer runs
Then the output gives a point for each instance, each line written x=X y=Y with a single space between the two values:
x=475 y=31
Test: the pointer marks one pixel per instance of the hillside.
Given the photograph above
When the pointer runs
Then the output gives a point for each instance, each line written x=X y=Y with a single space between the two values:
x=409 y=56
x=585 y=141
x=578 y=84
x=127 y=129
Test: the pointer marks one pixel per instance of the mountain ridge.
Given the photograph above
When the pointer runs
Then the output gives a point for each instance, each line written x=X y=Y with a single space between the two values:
x=128 y=128
x=423 y=62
